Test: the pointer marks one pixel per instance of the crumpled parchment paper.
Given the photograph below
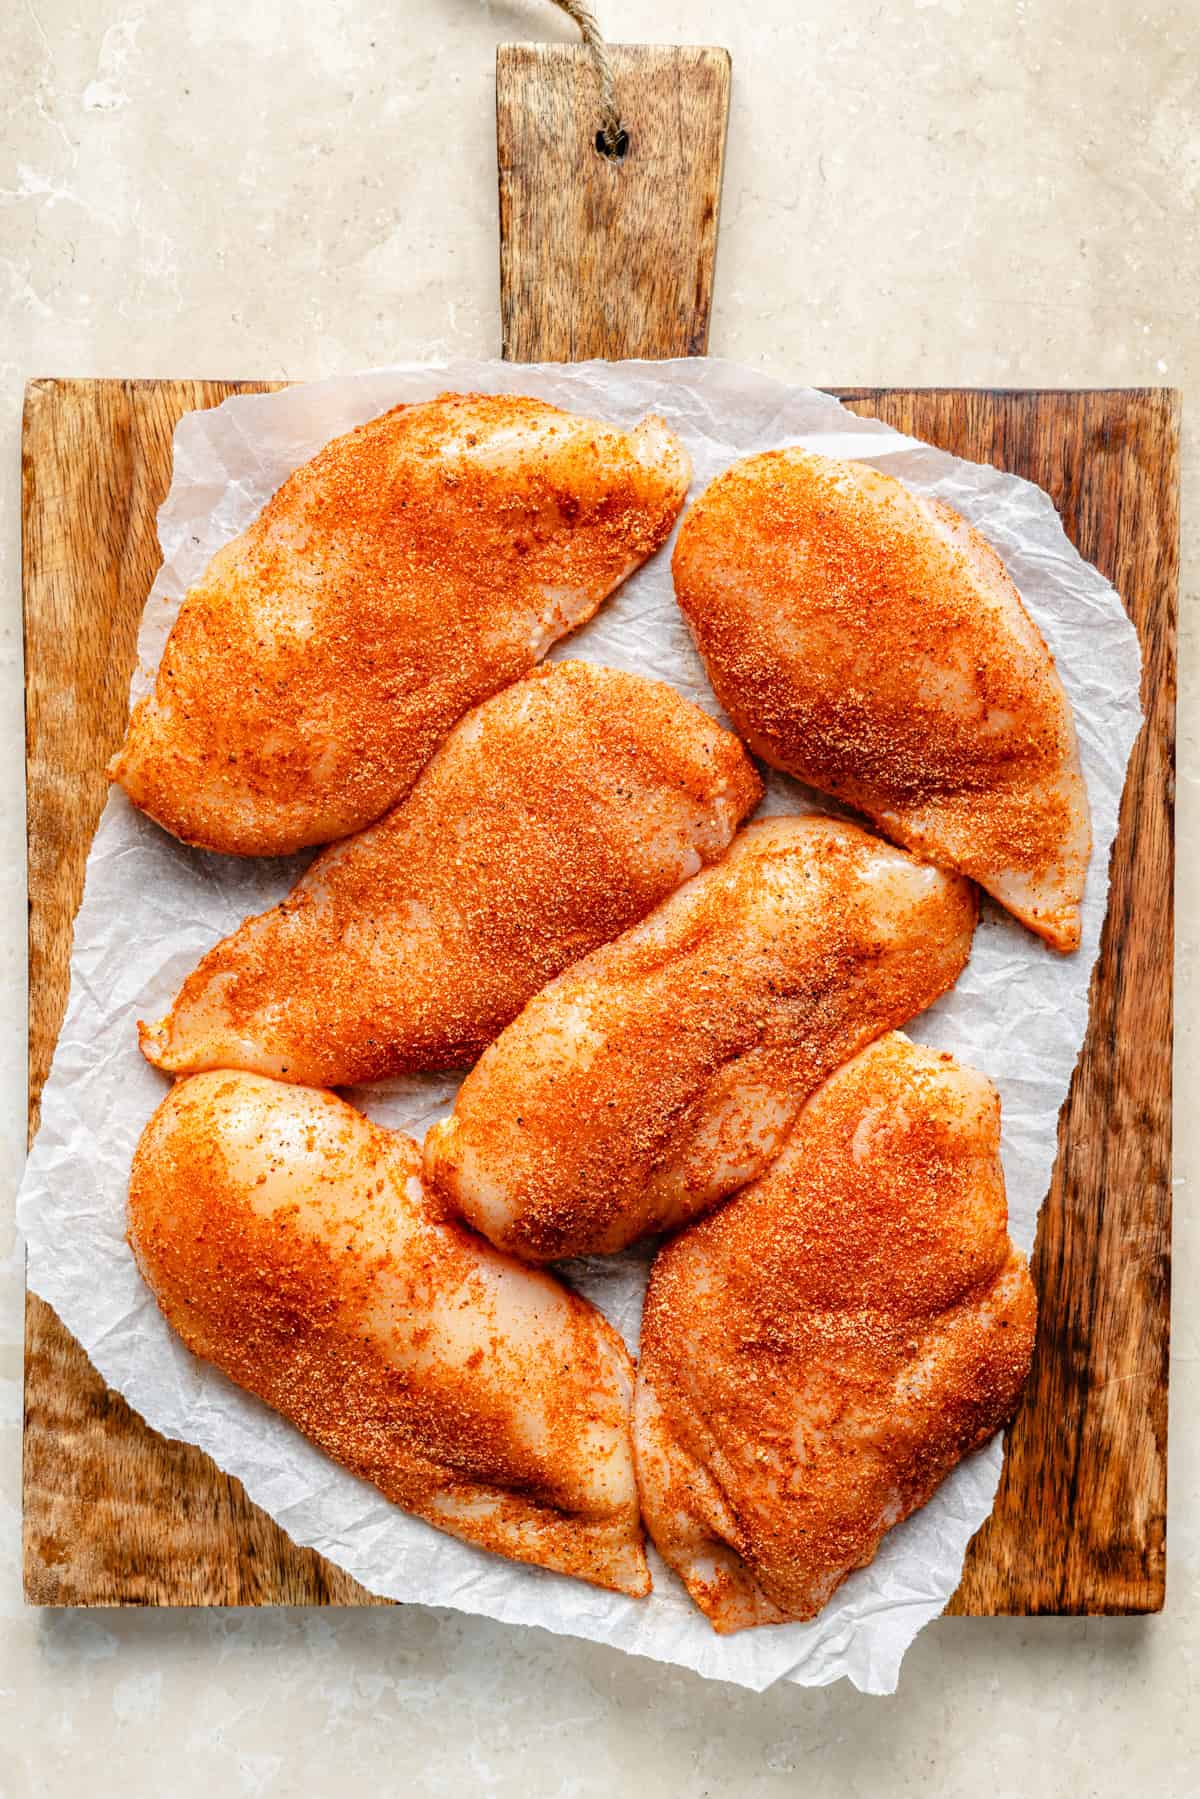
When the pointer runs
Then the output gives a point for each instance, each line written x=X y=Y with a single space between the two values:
x=152 y=907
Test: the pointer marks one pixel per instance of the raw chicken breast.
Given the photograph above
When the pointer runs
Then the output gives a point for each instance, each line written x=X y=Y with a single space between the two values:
x=663 y=1071
x=288 y=1241
x=410 y=569
x=867 y=640
x=817 y=1357
x=556 y=814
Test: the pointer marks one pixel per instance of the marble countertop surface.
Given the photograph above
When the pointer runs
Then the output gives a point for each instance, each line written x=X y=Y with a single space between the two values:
x=941 y=191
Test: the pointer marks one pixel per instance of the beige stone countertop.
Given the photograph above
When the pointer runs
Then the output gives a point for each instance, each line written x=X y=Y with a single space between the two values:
x=976 y=192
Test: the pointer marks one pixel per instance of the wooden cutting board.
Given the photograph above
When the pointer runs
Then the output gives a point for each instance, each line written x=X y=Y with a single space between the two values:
x=114 y=1514
x=614 y=257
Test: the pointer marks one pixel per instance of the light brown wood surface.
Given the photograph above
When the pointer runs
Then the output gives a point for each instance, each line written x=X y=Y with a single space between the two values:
x=114 y=1514
x=597 y=250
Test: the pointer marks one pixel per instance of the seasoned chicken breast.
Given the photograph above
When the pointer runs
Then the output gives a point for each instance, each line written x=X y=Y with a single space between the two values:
x=555 y=815
x=410 y=569
x=867 y=640
x=817 y=1356
x=288 y=1241
x=663 y=1071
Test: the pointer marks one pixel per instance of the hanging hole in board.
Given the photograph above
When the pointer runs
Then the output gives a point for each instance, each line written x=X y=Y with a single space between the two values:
x=615 y=150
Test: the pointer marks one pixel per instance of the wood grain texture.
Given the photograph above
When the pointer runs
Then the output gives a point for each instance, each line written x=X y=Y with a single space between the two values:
x=114 y=1514
x=596 y=251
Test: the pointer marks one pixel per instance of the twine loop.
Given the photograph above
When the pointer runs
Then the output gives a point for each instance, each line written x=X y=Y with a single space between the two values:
x=612 y=139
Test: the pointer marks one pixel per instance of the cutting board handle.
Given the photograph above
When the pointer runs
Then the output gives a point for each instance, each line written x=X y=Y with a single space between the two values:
x=608 y=255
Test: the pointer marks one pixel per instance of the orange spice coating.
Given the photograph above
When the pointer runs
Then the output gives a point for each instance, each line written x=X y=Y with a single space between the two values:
x=287 y=1240
x=663 y=1071
x=818 y=1355
x=556 y=814
x=868 y=641
x=413 y=567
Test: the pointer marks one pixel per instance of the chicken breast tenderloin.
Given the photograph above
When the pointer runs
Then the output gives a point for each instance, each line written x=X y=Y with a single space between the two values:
x=817 y=1356
x=410 y=569
x=555 y=815
x=864 y=638
x=287 y=1240
x=663 y=1071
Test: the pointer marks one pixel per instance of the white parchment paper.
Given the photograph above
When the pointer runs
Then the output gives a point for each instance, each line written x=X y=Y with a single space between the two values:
x=152 y=907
